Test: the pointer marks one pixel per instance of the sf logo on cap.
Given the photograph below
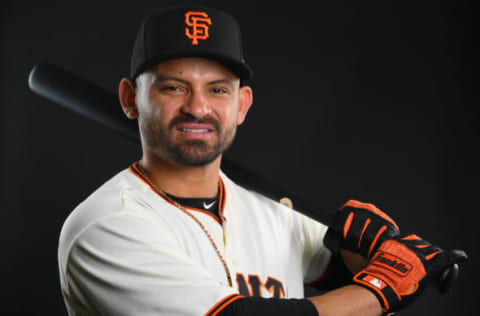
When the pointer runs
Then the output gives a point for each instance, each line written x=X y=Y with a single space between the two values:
x=199 y=23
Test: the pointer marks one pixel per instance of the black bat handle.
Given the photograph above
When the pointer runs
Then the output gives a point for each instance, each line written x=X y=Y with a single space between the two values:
x=82 y=97
x=447 y=279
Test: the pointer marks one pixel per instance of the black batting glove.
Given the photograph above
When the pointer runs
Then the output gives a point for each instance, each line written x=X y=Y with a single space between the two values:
x=360 y=228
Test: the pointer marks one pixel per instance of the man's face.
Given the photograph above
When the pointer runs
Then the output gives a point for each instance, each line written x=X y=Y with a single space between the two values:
x=190 y=111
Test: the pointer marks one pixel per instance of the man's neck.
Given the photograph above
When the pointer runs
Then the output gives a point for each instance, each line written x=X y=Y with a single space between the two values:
x=183 y=181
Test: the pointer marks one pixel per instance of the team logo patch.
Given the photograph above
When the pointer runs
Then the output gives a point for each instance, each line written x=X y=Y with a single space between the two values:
x=198 y=24
x=392 y=263
x=379 y=284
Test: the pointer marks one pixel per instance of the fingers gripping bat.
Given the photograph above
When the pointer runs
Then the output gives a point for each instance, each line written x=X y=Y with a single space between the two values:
x=102 y=107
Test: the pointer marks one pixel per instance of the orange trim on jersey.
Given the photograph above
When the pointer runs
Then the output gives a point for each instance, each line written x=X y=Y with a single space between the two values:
x=221 y=200
x=133 y=169
x=136 y=171
x=215 y=218
x=218 y=307
x=221 y=204
x=222 y=197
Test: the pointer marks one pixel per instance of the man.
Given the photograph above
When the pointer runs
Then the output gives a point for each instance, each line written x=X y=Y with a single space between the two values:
x=173 y=235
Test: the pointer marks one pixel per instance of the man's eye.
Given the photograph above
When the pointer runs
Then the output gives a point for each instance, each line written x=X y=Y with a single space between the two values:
x=171 y=88
x=218 y=90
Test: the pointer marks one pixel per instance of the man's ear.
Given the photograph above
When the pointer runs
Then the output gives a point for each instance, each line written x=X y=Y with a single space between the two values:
x=127 y=94
x=246 y=100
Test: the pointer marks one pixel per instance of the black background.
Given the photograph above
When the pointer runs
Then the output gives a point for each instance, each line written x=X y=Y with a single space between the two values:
x=369 y=100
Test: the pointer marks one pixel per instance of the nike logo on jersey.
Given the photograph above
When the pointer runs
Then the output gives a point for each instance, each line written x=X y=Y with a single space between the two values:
x=208 y=206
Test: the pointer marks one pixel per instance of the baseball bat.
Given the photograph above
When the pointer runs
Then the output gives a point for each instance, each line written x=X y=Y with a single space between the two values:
x=102 y=107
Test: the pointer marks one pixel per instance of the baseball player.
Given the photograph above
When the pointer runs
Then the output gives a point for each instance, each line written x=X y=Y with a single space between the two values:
x=173 y=235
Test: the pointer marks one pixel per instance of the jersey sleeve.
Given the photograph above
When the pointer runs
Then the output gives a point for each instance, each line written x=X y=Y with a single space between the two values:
x=124 y=264
x=316 y=257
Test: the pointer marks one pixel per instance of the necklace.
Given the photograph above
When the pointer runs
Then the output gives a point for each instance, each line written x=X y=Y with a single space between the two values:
x=196 y=220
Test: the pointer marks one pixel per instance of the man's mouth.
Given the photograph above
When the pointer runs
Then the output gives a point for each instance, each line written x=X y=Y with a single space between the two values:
x=195 y=130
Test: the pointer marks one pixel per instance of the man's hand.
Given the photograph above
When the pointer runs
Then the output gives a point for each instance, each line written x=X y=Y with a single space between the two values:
x=360 y=228
x=402 y=267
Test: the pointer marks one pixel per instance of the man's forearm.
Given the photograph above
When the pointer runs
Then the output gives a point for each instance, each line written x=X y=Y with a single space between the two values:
x=347 y=301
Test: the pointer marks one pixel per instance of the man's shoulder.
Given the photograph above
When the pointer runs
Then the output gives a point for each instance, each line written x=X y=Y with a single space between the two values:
x=107 y=200
x=251 y=199
x=258 y=205
x=108 y=196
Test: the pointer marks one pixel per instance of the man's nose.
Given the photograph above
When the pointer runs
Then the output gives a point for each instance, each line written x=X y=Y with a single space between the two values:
x=197 y=105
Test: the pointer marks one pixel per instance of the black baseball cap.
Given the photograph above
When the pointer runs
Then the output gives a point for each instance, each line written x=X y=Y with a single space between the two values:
x=189 y=31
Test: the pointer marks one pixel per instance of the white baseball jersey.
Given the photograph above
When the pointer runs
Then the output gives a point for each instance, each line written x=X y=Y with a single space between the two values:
x=126 y=250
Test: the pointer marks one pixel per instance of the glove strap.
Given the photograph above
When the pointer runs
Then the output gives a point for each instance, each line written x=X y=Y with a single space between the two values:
x=382 y=290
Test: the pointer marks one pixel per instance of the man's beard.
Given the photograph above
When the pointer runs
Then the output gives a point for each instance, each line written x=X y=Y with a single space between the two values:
x=192 y=152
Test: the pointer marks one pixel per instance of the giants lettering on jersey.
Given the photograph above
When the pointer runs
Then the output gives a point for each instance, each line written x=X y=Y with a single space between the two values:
x=254 y=286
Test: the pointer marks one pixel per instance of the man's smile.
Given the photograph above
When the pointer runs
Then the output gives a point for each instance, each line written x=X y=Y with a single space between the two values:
x=195 y=130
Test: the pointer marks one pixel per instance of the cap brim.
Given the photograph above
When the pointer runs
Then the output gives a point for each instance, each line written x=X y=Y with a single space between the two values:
x=243 y=71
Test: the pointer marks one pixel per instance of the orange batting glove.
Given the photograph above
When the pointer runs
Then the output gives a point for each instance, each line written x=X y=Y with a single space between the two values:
x=401 y=269
x=360 y=228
